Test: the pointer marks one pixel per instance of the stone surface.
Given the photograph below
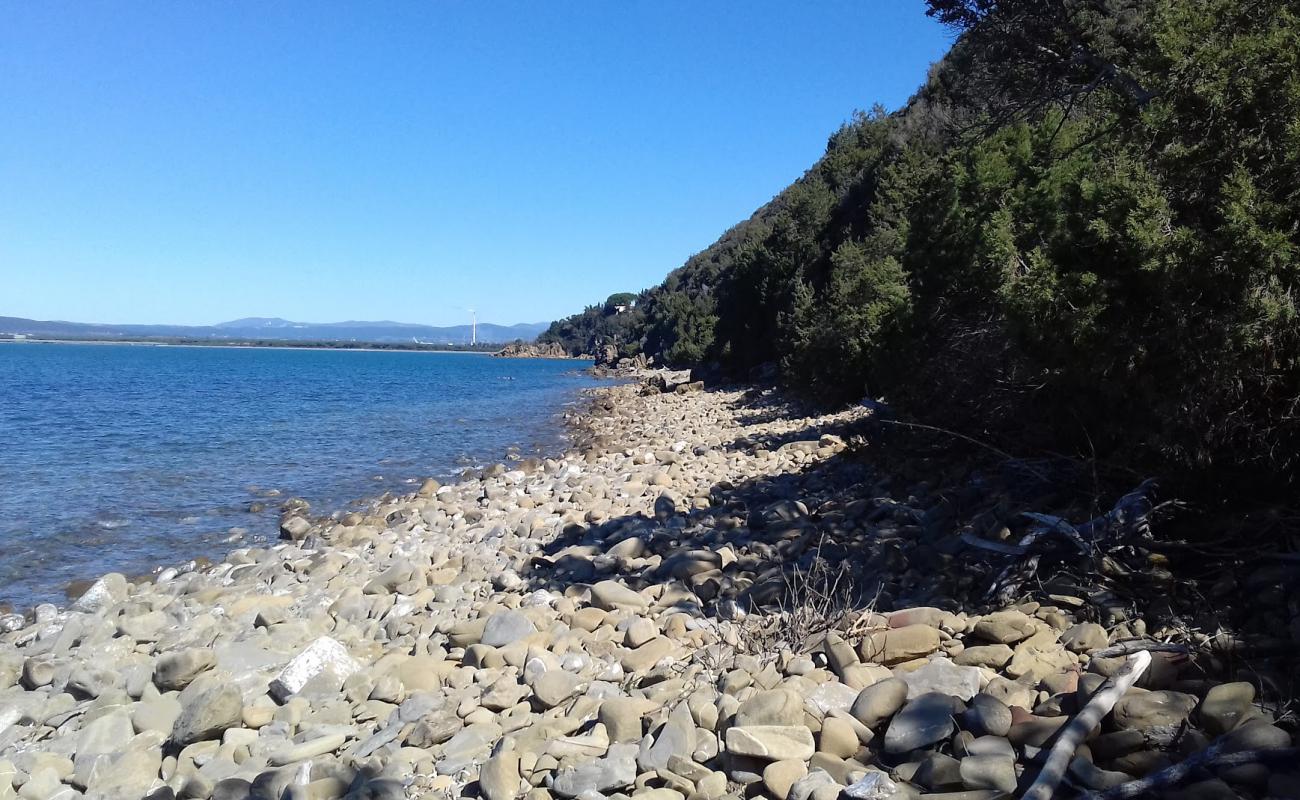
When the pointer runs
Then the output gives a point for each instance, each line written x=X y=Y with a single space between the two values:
x=945 y=677
x=772 y=707
x=878 y=702
x=1005 y=627
x=322 y=666
x=175 y=670
x=612 y=595
x=986 y=715
x=1085 y=637
x=779 y=776
x=209 y=705
x=499 y=777
x=1138 y=710
x=505 y=627
x=874 y=786
x=922 y=722
x=771 y=742
x=615 y=771
x=899 y=644
x=989 y=772
x=1225 y=706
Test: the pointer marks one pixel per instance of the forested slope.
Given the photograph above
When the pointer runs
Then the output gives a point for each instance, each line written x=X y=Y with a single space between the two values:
x=1079 y=236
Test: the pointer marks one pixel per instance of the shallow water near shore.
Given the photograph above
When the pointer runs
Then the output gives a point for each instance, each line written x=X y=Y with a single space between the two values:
x=121 y=458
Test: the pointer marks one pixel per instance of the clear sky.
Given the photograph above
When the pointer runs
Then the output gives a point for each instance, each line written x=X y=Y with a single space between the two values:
x=193 y=162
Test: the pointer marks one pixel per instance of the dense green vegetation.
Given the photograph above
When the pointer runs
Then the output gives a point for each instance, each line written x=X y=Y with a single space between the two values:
x=1081 y=235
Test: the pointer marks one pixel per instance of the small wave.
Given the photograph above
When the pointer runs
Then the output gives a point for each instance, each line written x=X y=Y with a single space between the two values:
x=113 y=524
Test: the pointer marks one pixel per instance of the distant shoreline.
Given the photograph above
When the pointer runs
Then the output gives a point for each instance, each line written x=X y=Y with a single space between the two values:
x=274 y=345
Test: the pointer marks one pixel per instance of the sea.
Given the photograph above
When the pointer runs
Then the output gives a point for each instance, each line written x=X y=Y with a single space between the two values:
x=124 y=458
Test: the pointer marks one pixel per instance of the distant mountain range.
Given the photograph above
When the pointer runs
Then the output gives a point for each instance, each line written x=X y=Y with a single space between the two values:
x=273 y=328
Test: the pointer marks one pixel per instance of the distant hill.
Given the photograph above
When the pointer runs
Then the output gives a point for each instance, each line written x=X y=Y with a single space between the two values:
x=279 y=329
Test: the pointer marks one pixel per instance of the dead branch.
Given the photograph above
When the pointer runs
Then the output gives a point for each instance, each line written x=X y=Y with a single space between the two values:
x=1058 y=759
x=1131 y=647
x=1211 y=758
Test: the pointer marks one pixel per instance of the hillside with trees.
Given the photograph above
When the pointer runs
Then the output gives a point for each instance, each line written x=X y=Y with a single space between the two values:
x=1080 y=236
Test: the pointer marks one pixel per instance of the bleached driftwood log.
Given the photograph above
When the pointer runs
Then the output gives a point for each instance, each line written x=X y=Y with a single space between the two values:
x=1211 y=758
x=1073 y=734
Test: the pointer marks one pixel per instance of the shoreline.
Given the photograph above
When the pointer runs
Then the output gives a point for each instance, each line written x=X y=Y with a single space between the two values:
x=653 y=613
x=323 y=346
x=273 y=508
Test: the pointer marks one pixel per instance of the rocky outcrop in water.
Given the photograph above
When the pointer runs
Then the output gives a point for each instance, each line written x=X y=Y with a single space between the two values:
x=532 y=350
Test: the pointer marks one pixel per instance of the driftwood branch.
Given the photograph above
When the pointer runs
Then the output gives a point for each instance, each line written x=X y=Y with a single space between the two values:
x=1055 y=535
x=1058 y=759
x=1000 y=548
x=1138 y=646
x=1211 y=758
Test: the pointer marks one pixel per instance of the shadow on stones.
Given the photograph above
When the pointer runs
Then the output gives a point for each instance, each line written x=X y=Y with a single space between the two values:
x=887 y=511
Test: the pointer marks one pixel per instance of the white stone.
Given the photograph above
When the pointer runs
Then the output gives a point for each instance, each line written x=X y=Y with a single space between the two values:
x=324 y=657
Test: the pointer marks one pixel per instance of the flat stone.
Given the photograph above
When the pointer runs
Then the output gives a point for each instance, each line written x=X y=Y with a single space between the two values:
x=771 y=742
x=320 y=669
x=839 y=654
x=989 y=772
x=130 y=773
x=942 y=675
x=1225 y=706
x=989 y=746
x=831 y=696
x=922 y=722
x=468 y=747
x=104 y=593
x=555 y=686
x=986 y=715
x=779 y=776
x=813 y=786
x=421 y=673
x=1139 y=710
x=612 y=595
x=209 y=705
x=648 y=655
x=107 y=734
x=505 y=627
x=615 y=771
x=879 y=702
x=1034 y=730
x=991 y=656
x=938 y=773
x=1006 y=627
x=174 y=671
x=772 y=707
x=311 y=748
x=874 y=786
x=1085 y=637
x=498 y=779
x=838 y=738
x=676 y=738
x=1034 y=664
x=159 y=714
x=624 y=717
x=1256 y=735
x=899 y=644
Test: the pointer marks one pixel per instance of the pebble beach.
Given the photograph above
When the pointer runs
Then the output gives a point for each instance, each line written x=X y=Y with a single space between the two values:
x=710 y=595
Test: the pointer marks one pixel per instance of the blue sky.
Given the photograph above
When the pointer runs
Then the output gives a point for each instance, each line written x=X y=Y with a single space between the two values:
x=320 y=161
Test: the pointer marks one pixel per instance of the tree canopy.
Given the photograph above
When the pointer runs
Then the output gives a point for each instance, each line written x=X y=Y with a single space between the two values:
x=1082 y=234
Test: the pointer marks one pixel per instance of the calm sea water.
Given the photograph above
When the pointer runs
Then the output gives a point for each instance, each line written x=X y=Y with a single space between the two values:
x=121 y=457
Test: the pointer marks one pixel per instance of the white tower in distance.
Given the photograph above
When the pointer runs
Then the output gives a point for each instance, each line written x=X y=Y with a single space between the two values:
x=473 y=327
